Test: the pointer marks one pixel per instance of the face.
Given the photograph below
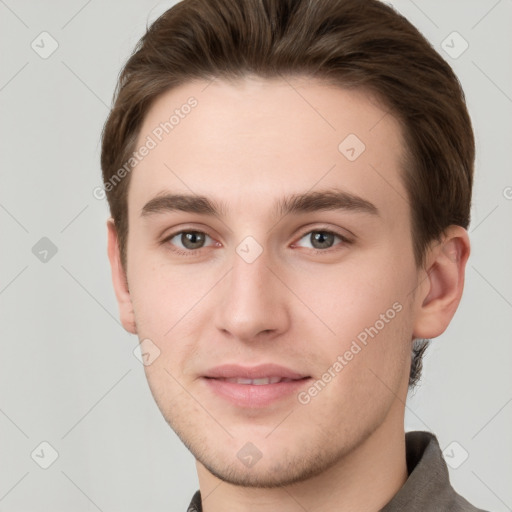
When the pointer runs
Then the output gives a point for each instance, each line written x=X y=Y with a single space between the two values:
x=276 y=288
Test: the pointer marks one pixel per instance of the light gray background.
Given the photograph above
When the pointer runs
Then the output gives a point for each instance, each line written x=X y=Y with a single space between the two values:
x=68 y=375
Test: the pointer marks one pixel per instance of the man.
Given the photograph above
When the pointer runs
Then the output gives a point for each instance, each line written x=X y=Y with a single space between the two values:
x=290 y=186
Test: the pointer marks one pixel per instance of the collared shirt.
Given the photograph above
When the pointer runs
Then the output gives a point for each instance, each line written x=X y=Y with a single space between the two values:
x=427 y=488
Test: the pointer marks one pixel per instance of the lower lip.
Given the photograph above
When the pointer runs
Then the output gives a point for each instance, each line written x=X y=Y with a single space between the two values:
x=251 y=395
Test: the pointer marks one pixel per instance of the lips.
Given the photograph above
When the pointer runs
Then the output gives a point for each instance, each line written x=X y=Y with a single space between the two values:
x=257 y=382
x=256 y=386
x=262 y=371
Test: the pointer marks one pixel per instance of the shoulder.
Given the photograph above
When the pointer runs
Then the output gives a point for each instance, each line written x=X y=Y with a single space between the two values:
x=428 y=487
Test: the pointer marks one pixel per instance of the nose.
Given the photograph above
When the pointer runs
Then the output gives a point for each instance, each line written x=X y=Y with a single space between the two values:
x=253 y=304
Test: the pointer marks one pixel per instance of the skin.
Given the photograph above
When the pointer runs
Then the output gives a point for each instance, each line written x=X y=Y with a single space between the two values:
x=248 y=144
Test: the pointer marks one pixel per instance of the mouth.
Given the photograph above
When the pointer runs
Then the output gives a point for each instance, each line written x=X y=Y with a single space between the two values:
x=258 y=382
x=254 y=387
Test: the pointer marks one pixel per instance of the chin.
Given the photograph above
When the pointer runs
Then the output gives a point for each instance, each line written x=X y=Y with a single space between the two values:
x=264 y=477
x=272 y=467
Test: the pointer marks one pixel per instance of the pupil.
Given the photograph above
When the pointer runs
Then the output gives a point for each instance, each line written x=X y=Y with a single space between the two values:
x=322 y=240
x=192 y=240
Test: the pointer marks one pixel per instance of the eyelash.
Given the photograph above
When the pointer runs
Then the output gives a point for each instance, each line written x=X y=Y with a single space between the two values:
x=345 y=240
x=193 y=252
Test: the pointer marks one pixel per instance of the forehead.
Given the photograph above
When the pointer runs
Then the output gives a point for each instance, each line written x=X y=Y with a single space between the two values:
x=244 y=141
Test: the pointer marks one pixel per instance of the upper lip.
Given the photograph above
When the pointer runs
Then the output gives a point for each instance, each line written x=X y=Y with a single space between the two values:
x=231 y=371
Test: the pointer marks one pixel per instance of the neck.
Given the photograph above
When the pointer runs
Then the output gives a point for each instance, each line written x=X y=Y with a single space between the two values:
x=366 y=479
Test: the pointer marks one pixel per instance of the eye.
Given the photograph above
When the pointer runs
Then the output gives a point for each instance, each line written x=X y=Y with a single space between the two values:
x=188 y=240
x=320 y=239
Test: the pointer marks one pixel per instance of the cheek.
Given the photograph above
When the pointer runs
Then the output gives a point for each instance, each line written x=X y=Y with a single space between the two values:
x=353 y=296
x=367 y=370
x=171 y=307
x=366 y=312
x=164 y=297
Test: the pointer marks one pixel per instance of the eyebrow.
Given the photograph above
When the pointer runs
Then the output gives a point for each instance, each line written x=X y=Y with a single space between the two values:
x=295 y=203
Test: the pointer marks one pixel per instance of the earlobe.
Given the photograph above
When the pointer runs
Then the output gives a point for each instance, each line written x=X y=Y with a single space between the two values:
x=440 y=295
x=119 y=280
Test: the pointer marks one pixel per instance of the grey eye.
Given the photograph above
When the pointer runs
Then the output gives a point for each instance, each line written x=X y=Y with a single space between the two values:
x=189 y=239
x=319 y=239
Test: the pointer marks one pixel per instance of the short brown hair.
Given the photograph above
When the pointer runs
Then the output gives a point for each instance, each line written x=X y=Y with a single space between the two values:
x=363 y=44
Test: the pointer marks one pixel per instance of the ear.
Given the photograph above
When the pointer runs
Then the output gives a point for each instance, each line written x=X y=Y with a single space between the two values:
x=119 y=280
x=440 y=292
